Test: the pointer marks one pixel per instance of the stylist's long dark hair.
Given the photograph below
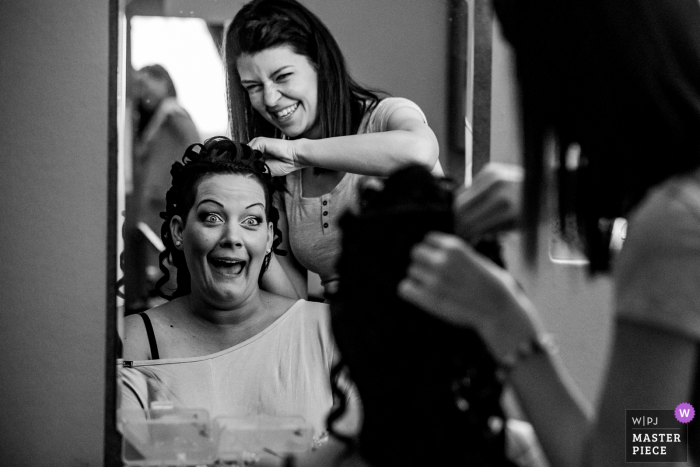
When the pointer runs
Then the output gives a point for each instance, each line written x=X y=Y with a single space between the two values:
x=429 y=391
x=263 y=24
x=620 y=78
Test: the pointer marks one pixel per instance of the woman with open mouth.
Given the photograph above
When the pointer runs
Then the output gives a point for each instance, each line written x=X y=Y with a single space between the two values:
x=220 y=342
x=291 y=97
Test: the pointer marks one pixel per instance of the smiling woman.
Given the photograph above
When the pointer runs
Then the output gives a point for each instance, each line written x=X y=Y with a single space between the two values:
x=217 y=343
x=283 y=88
x=291 y=96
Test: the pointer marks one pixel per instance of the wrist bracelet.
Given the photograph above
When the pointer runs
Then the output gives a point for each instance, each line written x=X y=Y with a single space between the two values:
x=538 y=345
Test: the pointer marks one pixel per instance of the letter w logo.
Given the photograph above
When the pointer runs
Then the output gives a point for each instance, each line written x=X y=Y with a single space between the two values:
x=685 y=413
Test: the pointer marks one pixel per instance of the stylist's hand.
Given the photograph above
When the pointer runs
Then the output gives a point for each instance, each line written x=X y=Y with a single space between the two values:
x=450 y=280
x=492 y=203
x=280 y=154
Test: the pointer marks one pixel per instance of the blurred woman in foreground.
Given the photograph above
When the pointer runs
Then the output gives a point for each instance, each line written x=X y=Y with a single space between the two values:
x=622 y=80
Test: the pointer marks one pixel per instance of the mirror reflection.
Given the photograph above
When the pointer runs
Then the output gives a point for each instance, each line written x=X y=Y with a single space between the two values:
x=405 y=57
x=225 y=277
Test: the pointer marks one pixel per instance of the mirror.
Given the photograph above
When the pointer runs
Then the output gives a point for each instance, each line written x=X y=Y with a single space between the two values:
x=424 y=51
x=423 y=54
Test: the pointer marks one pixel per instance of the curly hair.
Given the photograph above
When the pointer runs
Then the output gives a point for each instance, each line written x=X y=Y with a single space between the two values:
x=263 y=24
x=216 y=156
x=430 y=391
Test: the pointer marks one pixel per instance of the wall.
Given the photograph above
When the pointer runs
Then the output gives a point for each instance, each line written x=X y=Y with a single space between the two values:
x=399 y=46
x=575 y=308
x=53 y=206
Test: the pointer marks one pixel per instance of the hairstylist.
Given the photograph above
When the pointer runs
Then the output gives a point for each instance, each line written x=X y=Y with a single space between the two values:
x=291 y=97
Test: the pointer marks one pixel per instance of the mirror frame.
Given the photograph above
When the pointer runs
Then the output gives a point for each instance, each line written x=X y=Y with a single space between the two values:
x=112 y=438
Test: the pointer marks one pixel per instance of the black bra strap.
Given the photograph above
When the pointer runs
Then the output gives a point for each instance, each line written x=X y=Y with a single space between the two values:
x=151 y=336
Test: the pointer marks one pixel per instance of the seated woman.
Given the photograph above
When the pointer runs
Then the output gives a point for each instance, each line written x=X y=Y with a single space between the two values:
x=221 y=343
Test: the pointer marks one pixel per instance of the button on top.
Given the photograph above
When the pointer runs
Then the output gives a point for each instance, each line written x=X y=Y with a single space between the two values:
x=325 y=203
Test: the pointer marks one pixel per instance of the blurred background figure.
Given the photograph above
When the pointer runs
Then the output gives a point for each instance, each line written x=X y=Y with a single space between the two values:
x=163 y=129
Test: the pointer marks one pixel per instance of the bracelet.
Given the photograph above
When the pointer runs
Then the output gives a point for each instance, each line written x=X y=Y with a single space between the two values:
x=539 y=345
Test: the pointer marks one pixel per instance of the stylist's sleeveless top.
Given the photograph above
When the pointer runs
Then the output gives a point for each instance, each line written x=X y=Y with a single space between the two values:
x=314 y=236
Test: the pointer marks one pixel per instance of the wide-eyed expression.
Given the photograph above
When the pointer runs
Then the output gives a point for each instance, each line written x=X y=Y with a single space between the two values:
x=225 y=239
x=283 y=88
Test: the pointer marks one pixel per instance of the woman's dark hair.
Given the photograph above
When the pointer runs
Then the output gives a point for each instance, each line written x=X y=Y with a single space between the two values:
x=430 y=391
x=263 y=24
x=161 y=74
x=217 y=156
x=620 y=78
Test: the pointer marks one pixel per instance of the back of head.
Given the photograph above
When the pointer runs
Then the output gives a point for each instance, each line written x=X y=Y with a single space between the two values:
x=429 y=390
x=264 y=24
x=621 y=79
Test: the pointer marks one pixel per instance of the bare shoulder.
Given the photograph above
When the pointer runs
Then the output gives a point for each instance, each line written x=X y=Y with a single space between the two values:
x=136 y=345
x=135 y=339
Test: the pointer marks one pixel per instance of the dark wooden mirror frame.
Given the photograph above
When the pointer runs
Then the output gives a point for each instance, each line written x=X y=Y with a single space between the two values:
x=112 y=442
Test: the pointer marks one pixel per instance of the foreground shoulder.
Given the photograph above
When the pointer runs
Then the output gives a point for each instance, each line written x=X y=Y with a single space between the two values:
x=656 y=272
x=666 y=223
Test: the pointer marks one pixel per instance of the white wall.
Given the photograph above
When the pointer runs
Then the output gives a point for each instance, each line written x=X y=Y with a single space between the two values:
x=53 y=206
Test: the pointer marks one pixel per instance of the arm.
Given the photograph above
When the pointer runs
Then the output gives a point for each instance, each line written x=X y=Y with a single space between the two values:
x=407 y=139
x=552 y=402
x=492 y=203
x=284 y=275
x=283 y=278
x=184 y=128
x=446 y=274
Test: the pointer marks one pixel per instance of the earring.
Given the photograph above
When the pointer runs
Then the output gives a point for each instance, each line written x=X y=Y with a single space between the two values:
x=268 y=251
x=178 y=243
